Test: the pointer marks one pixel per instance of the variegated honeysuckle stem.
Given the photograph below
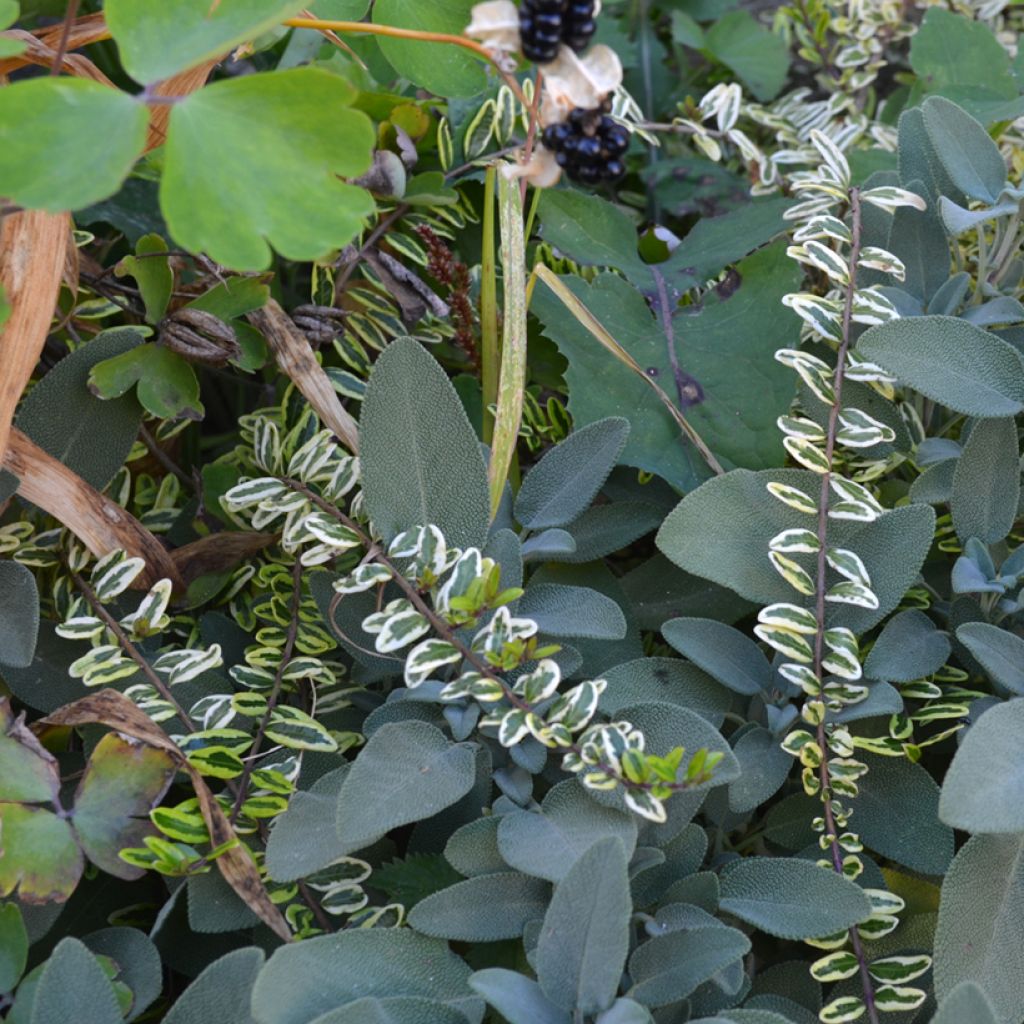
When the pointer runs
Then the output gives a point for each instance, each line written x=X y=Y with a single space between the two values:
x=132 y=651
x=821 y=584
x=275 y=694
x=446 y=633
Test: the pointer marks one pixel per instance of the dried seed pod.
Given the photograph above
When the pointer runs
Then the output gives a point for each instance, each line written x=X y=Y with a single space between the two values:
x=199 y=336
x=320 y=324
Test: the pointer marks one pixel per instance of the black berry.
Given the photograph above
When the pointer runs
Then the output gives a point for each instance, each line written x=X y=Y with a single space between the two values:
x=589 y=145
x=545 y=24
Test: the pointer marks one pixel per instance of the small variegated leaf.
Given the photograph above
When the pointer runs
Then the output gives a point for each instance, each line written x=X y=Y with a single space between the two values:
x=251 y=705
x=796 y=541
x=115 y=573
x=789 y=616
x=865 y=372
x=541 y=683
x=849 y=592
x=888 y=197
x=365 y=577
x=899 y=969
x=445 y=144
x=800 y=426
x=851 y=491
x=879 y=259
x=794 y=574
x=480 y=130
x=885 y=903
x=576 y=706
x=293 y=728
x=252 y=492
x=807 y=453
x=427 y=657
x=842 y=1010
x=859 y=430
x=824 y=226
x=898 y=998
x=823 y=315
x=344 y=899
x=513 y=727
x=216 y=762
x=786 y=642
x=802 y=676
x=835 y=967
x=823 y=258
x=81 y=627
x=330 y=532
x=871 y=307
x=848 y=563
x=181 y=666
x=793 y=497
x=150 y=617
x=832 y=157
x=214 y=711
x=641 y=802
x=399 y=630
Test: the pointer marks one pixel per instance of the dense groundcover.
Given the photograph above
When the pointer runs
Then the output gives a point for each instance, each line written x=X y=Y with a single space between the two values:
x=511 y=513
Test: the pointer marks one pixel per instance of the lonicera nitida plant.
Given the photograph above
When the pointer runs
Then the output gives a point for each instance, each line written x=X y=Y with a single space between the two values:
x=511 y=512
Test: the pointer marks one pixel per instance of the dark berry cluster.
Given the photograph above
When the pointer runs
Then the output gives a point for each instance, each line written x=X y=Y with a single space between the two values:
x=545 y=24
x=589 y=146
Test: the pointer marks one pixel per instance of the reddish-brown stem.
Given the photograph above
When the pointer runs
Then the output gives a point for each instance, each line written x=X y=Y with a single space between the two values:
x=447 y=634
x=132 y=651
x=821 y=582
x=65 y=36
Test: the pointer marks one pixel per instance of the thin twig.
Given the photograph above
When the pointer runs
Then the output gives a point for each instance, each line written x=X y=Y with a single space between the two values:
x=163 y=458
x=821 y=582
x=65 y=36
x=275 y=693
x=132 y=651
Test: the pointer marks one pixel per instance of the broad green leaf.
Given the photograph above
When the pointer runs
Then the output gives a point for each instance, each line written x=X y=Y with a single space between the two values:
x=472 y=849
x=759 y=58
x=733 y=412
x=421 y=461
x=443 y=69
x=565 y=481
x=569 y=611
x=225 y=983
x=585 y=935
x=723 y=652
x=549 y=842
x=393 y=1010
x=984 y=786
x=28 y=771
x=156 y=39
x=482 y=909
x=607 y=528
x=41 y=858
x=960 y=58
x=51 y=128
x=897 y=815
x=230 y=205
x=970 y=157
x=152 y=273
x=167 y=385
x=952 y=362
x=340 y=10
x=73 y=986
x=122 y=782
x=979 y=927
x=909 y=647
x=304 y=838
x=13 y=946
x=19 y=615
x=64 y=419
x=303 y=980
x=1000 y=652
x=517 y=998
x=722 y=530
x=406 y=771
x=966 y=1002
x=986 y=482
x=668 y=968
x=792 y=899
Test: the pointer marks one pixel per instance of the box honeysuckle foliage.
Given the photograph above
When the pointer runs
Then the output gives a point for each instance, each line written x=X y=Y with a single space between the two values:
x=608 y=610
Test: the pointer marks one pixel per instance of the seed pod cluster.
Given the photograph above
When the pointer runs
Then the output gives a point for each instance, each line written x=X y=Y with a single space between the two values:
x=589 y=146
x=545 y=24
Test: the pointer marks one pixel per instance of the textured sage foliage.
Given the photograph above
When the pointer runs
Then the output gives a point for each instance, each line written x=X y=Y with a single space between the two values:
x=432 y=592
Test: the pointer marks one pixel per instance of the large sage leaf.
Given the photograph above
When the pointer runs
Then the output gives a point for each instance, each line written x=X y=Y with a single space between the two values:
x=19 y=615
x=951 y=362
x=1000 y=652
x=980 y=921
x=72 y=986
x=421 y=461
x=792 y=899
x=986 y=481
x=585 y=936
x=984 y=786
